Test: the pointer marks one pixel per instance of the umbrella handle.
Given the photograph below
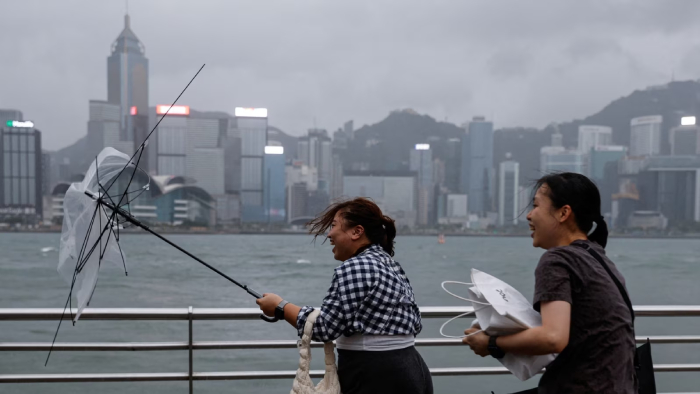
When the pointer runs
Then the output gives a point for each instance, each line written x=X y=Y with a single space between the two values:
x=268 y=318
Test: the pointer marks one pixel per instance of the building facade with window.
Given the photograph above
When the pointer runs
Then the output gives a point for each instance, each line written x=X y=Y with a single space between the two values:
x=20 y=189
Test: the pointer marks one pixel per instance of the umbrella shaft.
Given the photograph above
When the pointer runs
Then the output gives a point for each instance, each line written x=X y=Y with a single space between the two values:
x=136 y=222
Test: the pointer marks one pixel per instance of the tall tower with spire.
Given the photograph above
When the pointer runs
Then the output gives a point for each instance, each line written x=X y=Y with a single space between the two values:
x=127 y=79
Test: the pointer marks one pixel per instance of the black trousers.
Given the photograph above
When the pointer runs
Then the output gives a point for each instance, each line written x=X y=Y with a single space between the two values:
x=400 y=371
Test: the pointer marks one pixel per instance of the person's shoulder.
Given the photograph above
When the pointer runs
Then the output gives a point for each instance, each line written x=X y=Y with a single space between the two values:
x=365 y=261
x=570 y=254
x=558 y=255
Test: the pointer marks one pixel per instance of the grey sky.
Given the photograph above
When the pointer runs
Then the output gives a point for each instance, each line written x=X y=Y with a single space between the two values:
x=521 y=63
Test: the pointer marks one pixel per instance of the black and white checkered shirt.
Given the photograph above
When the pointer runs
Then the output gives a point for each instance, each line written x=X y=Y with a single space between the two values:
x=369 y=294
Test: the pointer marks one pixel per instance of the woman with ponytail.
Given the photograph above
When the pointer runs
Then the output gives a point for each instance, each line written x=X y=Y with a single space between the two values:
x=370 y=309
x=585 y=318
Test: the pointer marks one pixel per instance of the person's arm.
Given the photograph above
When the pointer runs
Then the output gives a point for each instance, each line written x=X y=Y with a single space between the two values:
x=332 y=320
x=270 y=301
x=551 y=337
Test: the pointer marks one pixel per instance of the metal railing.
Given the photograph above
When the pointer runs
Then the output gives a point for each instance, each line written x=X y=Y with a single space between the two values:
x=190 y=314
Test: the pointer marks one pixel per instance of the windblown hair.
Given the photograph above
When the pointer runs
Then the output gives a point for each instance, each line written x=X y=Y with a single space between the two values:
x=379 y=228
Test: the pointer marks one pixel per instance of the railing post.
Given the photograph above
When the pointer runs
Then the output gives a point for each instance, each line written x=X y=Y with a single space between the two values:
x=189 y=315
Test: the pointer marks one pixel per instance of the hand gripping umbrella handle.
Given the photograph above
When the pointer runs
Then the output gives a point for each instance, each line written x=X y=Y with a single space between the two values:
x=263 y=316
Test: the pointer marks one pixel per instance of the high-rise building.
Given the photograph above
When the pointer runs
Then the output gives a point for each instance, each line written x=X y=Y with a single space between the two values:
x=298 y=172
x=104 y=129
x=508 y=188
x=645 y=136
x=228 y=209
x=453 y=163
x=296 y=202
x=421 y=162
x=465 y=161
x=274 y=186
x=21 y=170
x=315 y=150
x=232 y=158
x=127 y=79
x=685 y=139
x=558 y=159
x=206 y=167
x=337 y=176
x=252 y=125
x=599 y=158
x=603 y=162
x=453 y=209
x=671 y=185
x=480 y=165
x=593 y=136
x=170 y=140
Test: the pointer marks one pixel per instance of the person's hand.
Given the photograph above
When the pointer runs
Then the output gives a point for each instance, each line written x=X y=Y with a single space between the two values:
x=478 y=342
x=268 y=303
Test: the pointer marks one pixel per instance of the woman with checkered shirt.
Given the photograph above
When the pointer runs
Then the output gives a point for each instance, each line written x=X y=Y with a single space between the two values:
x=370 y=309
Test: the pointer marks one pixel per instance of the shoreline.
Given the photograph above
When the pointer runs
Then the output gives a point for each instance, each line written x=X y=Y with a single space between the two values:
x=446 y=234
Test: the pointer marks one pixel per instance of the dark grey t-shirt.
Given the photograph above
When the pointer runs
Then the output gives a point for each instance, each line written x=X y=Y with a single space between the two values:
x=600 y=355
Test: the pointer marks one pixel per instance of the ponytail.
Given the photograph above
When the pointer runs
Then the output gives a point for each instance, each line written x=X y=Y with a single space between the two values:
x=389 y=235
x=599 y=233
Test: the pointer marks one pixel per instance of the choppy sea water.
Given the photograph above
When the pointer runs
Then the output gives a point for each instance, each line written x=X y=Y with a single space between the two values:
x=658 y=272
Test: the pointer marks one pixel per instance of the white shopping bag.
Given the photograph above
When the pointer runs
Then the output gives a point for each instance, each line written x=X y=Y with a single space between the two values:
x=502 y=310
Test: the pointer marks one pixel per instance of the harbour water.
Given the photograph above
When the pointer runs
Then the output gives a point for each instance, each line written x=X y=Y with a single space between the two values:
x=658 y=272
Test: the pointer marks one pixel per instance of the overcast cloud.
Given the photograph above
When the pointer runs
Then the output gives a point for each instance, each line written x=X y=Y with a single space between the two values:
x=520 y=63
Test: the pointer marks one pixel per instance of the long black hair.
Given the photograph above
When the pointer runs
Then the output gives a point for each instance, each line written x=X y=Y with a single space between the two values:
x=582 y=195
x=379 y=228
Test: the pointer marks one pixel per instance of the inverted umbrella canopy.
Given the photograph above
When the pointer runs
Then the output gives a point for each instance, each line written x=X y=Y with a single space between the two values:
x=90 y=230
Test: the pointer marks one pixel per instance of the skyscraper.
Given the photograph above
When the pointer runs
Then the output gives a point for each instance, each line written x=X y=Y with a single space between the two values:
x=127 y=79
x=685 y=139
x=600 y=156
x=252 y=125
x=593 y=136
x=170 y=139
x=480 y=165
x=421 y=162
x=274 y=186
x=645 y=136
x=20 y=172
x=453 y=163
x=508 y=179
x=104 y=129
x=315 y=150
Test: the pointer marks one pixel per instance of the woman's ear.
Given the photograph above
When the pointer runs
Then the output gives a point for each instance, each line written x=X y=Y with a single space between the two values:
x=565 y=213
x=357 y=232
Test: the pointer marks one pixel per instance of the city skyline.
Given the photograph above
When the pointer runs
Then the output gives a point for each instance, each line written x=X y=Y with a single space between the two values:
x=506 y=81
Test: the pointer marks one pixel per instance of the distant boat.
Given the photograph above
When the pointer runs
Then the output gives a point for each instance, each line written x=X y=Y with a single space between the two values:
x=441 y=239
x=47 y=249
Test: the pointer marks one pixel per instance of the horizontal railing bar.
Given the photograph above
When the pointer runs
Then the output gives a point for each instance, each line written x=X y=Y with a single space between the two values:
x=256 y=375
x=28 y=314
x=256 y=344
